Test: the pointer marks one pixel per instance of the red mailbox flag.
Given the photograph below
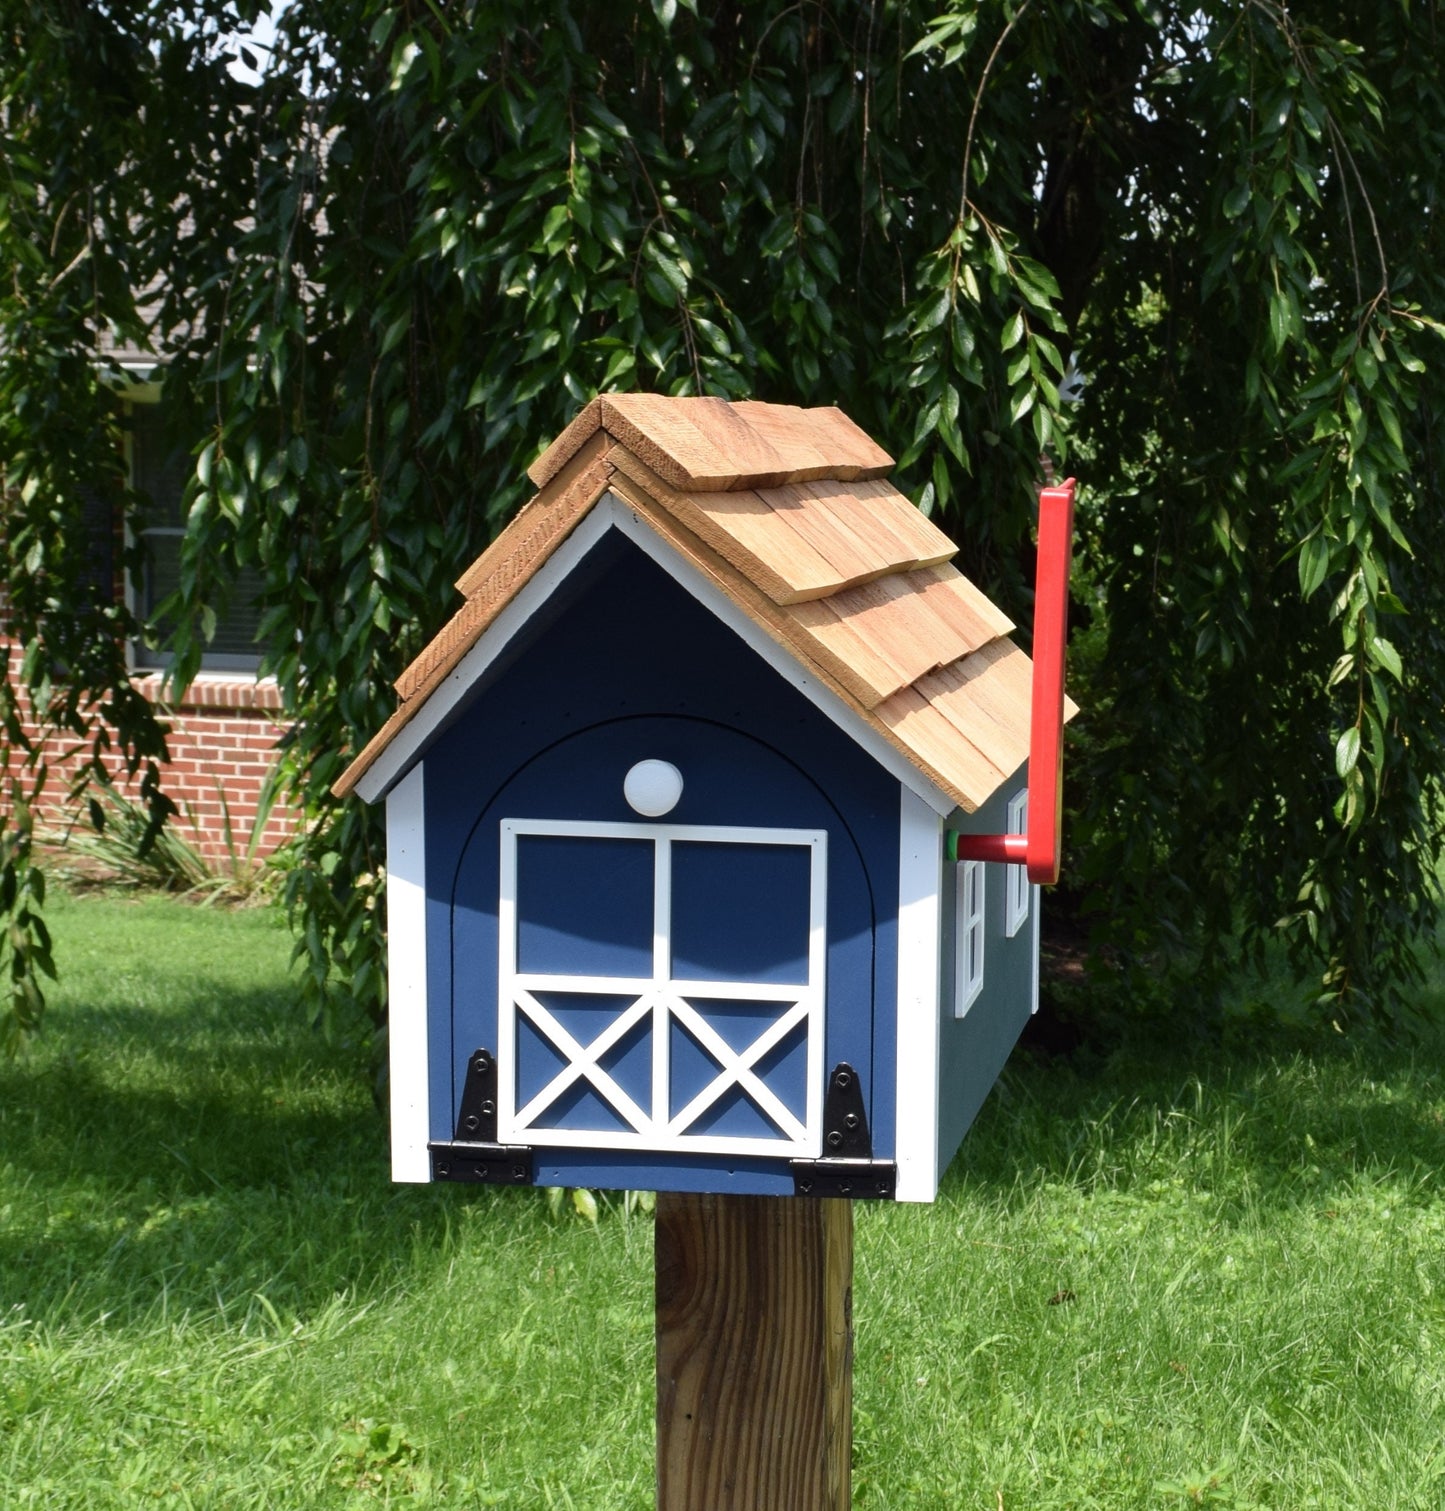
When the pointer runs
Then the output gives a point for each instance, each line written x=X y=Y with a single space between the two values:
x=1039 y=848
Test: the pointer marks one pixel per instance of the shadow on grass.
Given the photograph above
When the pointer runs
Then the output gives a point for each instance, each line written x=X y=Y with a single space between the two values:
x=1270 y=1118
x=192 y=1158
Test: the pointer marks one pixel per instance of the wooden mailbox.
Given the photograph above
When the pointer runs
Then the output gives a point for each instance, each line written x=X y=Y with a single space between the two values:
x=671 y=803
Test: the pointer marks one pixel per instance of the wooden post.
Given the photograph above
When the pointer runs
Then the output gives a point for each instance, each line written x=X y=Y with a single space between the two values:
x=754 y=1353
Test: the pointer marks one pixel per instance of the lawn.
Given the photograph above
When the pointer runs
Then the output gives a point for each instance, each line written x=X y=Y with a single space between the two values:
x=1165 y=1277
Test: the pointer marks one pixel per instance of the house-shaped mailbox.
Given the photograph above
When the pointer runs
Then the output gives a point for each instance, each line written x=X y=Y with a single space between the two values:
x=672 y=809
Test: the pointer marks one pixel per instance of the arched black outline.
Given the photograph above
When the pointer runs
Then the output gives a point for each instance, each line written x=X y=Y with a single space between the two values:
x=545 y=750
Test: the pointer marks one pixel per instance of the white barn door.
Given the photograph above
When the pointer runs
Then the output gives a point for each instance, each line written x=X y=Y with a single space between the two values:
x=661 y=986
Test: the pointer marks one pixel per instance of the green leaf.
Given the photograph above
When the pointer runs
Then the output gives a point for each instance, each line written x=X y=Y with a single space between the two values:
x=1037 y=282
x=948 y=407
x=396 y=331
x=1391 y=423
x=1344 y=667
x=1279 y=320
x=933 y=314
x=1387 y=657
x=557 y=221
x=1314 y=564
x=1374 y=747
x=1347 y=751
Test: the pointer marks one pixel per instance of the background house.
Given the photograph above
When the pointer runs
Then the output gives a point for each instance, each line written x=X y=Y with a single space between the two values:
x=225 y=725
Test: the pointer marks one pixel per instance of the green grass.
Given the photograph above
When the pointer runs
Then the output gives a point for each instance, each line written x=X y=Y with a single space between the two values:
x=1168 y=1277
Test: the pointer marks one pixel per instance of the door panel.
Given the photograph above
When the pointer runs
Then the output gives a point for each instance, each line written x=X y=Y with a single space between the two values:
x=669 y=994
x=675 y=974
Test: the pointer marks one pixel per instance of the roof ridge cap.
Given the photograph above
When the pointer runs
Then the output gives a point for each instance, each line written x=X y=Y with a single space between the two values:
x=706 y=443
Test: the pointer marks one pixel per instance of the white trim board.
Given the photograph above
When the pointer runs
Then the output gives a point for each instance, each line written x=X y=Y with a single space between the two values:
x=920 y=891
x=398 y=757
x=970 y=935
x=661 y=1000
x=406 y=978
x=823 y=698
x=1037 y=909
x=609 y=513
x=1017 y=891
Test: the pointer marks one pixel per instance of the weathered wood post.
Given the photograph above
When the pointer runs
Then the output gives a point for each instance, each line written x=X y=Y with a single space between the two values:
x=754 y=1353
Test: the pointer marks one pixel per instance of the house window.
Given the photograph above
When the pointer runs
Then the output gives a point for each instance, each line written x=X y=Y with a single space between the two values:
x=969 y=935
x=160 y=469
x=1016 y=895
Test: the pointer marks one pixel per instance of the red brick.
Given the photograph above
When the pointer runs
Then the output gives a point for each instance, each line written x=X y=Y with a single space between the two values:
x=222 y=739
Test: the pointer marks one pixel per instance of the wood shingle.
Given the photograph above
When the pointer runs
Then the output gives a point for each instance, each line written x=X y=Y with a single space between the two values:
x=786 y=511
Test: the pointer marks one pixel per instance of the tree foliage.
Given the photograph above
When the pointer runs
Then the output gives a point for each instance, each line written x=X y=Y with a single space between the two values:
x=383 y=274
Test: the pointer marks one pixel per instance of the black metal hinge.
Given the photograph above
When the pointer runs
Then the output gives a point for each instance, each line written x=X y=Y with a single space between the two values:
x=492 y=1164
x=474 y=1153
x=477 y=1116
x=847 y=1168
x=855 y=1179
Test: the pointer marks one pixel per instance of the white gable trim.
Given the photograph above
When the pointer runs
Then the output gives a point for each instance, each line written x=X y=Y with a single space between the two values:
x=823 y=698
x=406 y=976
x=394 y=762
x=608 y=513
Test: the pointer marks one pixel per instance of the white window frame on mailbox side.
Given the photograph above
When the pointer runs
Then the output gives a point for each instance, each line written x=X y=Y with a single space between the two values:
x=1016 y=887
x=970 y=933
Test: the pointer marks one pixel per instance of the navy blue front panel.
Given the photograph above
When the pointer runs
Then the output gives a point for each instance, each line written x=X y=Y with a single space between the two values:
x=584 y=907
x=633 y=669
x=740 y=911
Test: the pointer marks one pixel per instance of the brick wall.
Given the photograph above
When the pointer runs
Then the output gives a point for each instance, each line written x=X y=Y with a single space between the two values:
x=222 y=740
x=223 y=731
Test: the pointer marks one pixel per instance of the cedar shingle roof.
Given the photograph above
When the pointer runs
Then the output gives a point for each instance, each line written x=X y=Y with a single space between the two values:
x=786 y=511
